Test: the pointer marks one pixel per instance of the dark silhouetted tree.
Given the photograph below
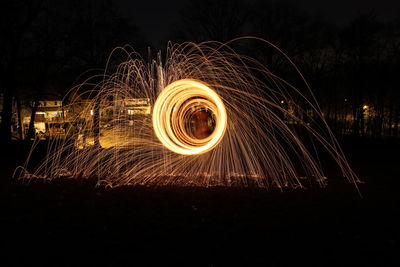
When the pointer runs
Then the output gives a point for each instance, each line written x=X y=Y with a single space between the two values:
x=16 y=22
x=210 y=20
x=50 y=43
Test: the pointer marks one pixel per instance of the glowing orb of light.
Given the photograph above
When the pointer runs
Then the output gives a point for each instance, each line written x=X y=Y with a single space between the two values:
x=179 y=117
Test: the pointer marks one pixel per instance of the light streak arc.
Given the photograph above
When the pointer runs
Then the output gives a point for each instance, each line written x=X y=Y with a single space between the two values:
x=178 y=97
x=257 y=117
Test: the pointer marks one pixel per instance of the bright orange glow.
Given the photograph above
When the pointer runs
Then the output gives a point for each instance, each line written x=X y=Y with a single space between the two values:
x=176 y=105
x=165 y=122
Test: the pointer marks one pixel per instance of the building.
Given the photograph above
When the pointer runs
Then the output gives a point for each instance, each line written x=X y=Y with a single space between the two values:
x=50 y=118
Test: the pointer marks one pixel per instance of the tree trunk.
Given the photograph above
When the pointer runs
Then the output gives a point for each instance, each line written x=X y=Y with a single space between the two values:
x=390 y=121
x=6 y=117
x=355 y=119
x=31 y=130
x=362 y=121
x=96 y=123
x=396 y=122
x=20 y=132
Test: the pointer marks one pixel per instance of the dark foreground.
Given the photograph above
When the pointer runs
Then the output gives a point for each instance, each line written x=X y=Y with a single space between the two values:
x=71 y=223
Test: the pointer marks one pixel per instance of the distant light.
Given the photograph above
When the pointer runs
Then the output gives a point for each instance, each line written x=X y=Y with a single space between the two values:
x=345 y=100
x=92 y=112
x=282 y=102
x=365 y=107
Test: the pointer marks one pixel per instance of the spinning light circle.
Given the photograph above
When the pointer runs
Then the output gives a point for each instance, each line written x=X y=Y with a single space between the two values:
x=187 y=141
x=189 y=117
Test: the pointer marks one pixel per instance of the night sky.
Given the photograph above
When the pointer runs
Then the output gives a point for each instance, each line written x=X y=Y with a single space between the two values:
x=154 y=19
x=296 y=125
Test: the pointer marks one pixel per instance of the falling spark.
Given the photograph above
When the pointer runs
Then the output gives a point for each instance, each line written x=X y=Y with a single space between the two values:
x=216 y=119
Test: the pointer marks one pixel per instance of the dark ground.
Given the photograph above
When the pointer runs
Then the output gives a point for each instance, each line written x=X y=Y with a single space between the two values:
x=71 y=223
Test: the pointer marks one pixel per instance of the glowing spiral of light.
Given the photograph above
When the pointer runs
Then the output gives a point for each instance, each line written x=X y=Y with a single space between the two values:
x=176 y=106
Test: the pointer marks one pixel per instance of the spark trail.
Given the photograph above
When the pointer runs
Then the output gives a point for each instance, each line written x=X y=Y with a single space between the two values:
x=204 y=116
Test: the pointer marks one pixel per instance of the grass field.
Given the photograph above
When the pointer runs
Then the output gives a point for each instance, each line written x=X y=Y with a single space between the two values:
x=72 y=223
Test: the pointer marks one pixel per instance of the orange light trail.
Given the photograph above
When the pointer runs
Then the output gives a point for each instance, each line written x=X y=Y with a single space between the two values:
x=202 y=116
x=173 y=108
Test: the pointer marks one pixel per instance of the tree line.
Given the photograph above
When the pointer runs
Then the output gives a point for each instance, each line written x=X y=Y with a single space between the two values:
x=352 y=68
